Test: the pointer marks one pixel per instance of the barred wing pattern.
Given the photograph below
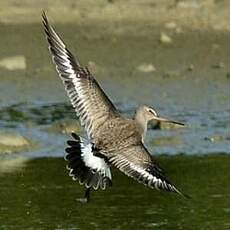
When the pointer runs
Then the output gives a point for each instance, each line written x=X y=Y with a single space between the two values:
x=90 y=102
x=136 y=162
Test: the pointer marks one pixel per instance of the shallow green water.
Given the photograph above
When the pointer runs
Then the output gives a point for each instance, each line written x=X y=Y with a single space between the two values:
x=40 y=195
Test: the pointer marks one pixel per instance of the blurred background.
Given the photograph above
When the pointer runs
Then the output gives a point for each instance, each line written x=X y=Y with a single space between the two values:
x=173 y=55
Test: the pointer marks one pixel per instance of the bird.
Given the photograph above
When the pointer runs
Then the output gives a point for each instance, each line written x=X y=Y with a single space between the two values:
x=112 y=140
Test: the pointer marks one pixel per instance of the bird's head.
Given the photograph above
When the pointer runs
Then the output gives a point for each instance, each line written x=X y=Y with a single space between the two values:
x=151 y=115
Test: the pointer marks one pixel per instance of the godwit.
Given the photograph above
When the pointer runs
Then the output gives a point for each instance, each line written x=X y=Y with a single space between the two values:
x=112 y=139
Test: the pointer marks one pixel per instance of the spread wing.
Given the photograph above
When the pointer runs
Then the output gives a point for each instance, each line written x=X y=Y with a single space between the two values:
x=136 y=162
x=90 y=102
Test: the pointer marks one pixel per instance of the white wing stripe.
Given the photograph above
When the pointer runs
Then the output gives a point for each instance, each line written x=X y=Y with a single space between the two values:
x=94 y=162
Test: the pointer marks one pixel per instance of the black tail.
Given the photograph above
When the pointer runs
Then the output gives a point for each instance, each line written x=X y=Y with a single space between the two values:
x=82 y=169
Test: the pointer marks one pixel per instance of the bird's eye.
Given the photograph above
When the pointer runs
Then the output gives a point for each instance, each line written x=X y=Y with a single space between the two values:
x=152 y=111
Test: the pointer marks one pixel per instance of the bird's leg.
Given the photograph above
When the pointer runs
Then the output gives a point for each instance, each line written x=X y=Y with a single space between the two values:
x=86 y=197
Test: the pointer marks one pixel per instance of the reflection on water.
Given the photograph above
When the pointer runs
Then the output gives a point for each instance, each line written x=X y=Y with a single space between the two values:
x=38 y=114
x=41 y=196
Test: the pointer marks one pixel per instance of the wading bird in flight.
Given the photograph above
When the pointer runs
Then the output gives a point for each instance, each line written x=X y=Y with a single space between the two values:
x=112 y=140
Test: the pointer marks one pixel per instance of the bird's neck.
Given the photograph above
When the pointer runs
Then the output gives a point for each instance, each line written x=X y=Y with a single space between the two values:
x=141 y=122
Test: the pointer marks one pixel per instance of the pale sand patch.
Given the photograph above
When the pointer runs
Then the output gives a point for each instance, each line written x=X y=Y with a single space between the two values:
x=12 y=164
x=17 y=62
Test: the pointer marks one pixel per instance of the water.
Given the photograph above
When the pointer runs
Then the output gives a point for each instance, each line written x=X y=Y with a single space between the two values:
x=36 y=192
x=40 y=195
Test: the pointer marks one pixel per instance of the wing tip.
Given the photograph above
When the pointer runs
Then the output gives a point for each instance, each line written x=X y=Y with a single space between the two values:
x=184 y=195
x=169 y=187
x=47 y=27
x=44 y=19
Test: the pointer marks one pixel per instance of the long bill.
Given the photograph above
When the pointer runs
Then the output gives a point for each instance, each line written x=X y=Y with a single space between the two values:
x=162 y=119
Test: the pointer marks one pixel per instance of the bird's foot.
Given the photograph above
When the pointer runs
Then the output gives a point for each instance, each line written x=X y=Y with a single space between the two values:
x=85 y=199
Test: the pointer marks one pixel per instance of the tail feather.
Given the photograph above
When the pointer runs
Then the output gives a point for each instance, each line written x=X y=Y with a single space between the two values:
x=84 y=166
